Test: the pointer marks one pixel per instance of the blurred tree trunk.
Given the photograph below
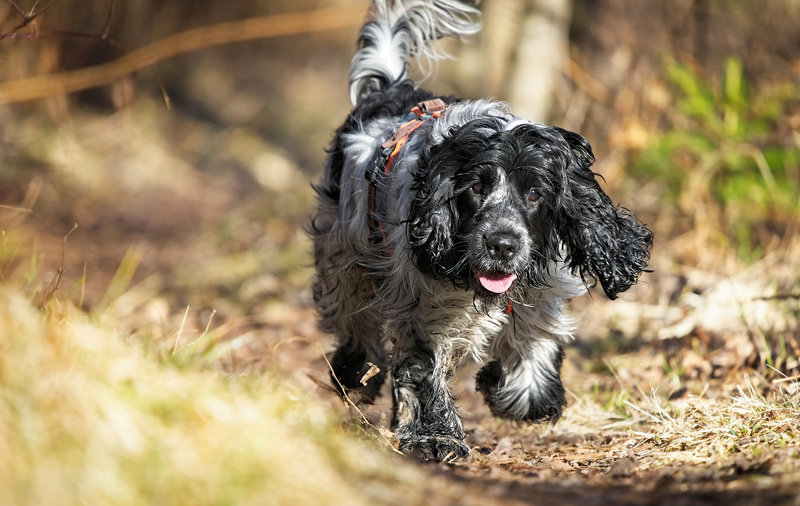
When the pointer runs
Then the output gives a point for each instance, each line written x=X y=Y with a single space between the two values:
x=525 y=44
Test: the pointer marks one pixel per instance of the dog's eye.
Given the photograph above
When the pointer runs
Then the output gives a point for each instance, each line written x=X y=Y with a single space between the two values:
x=477 y=188
x=533 y=195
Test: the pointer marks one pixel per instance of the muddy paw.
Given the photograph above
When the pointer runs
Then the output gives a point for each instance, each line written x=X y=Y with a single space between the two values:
x=438 y=448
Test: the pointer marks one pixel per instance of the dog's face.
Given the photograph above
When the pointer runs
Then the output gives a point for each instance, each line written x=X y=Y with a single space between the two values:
x=504 y=222
x=494 y=209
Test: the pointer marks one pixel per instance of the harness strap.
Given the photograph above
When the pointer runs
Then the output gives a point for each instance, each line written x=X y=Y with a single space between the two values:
x=422 y=111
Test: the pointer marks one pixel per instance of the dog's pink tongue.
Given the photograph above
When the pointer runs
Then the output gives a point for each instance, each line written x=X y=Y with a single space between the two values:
x=496 y=282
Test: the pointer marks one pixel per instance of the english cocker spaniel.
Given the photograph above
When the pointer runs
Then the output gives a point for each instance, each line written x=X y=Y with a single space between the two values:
x=451 y=227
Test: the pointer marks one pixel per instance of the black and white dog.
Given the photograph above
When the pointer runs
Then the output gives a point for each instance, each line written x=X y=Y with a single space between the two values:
x=451 y=227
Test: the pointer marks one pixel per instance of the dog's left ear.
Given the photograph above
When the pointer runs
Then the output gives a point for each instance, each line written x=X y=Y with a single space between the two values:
x=603 y=241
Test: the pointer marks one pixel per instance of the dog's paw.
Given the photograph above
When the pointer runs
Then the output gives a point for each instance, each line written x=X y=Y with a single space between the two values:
x=438 y=448
x=530 y=398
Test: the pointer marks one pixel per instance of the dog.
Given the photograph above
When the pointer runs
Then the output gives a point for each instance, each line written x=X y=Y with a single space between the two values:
x=449 y=228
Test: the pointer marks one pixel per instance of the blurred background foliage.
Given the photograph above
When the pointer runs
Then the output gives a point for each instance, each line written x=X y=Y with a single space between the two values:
x=724 y=159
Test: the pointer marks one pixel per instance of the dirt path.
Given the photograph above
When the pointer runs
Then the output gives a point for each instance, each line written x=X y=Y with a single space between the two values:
x=579 y=461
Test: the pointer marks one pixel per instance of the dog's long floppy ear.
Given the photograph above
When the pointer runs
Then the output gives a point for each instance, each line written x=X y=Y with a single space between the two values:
x=603 y=241
x=433 y=217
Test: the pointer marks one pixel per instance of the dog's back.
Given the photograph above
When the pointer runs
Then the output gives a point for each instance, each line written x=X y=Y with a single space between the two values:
x=382 y=95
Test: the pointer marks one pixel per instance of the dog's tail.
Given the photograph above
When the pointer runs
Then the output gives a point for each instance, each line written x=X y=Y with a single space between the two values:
x=399 y=29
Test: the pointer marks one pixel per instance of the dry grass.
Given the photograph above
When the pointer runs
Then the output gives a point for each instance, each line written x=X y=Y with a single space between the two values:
x=746 y=422
x=89 y=418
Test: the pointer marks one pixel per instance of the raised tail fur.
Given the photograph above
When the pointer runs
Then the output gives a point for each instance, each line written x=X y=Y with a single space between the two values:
x=400 y=29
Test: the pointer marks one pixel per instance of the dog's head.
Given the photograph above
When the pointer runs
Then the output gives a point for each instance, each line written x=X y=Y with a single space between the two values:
x=495 y=207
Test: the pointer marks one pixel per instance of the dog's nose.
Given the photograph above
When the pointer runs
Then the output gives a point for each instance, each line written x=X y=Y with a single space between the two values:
x=502 y=247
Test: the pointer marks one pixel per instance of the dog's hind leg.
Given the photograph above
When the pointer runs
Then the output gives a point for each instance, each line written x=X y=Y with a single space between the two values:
x=343 y=292
x=359 y=362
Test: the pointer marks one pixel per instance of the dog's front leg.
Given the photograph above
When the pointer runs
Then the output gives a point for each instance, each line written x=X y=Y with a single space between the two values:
x=524 y=380
x=425 y=421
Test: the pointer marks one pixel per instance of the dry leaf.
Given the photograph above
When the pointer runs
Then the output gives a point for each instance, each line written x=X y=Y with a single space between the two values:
x=372 y=371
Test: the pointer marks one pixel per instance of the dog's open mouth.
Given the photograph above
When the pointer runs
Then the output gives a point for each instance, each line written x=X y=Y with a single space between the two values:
x=495 y=281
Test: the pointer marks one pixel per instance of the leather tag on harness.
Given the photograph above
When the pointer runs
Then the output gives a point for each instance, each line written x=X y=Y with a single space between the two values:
x=431 y=106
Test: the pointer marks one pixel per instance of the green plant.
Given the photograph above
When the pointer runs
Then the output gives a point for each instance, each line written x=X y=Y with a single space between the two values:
x=728 y=159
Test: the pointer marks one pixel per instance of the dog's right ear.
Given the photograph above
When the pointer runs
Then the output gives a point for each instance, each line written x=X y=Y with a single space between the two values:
x=433 y=220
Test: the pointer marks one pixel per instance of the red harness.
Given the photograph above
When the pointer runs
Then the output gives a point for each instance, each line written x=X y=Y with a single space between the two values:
x=423 y=110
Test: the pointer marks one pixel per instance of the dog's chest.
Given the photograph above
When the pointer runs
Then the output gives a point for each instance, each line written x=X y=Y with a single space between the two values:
x=451 y=317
